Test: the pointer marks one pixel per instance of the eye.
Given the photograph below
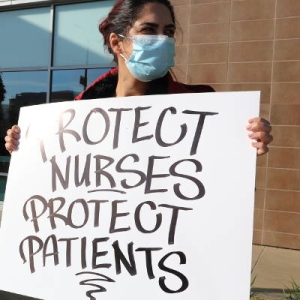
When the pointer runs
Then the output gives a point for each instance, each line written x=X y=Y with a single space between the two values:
x=170 y=32
x=148 y=30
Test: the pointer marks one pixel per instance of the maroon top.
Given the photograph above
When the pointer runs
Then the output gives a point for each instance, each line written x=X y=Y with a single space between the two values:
x=105 y=86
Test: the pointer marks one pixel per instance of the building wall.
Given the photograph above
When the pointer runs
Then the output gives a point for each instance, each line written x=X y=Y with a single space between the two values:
x=254 y=45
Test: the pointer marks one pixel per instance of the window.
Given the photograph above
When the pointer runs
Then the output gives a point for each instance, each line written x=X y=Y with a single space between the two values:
x=22 y=89
x=4 y=163
x=25 y=38
x=48 y=54
x=66 y=35
x=77 y=40
x=59 y=40
x=67 y=84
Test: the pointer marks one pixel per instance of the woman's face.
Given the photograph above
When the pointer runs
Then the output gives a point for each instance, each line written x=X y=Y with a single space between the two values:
x=154 y=19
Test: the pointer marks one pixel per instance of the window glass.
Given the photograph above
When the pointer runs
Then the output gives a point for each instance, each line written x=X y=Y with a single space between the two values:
x=93 y=74
x=22 y=89
x=77 y=40
x=2 y=186
x=4 y=165
x=26 y=87
x=25 y=38
x=66 y=84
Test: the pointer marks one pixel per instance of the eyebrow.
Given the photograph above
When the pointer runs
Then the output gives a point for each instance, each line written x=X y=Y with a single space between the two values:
x=156 y=25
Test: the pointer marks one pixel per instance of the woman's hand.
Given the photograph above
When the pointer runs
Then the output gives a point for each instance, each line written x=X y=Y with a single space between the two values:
x=261 y=129
x=12 y=138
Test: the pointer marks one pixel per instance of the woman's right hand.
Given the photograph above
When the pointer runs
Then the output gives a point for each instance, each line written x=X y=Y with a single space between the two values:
x=12 y=138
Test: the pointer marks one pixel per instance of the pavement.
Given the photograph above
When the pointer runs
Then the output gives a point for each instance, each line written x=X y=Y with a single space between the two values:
x=273 y=269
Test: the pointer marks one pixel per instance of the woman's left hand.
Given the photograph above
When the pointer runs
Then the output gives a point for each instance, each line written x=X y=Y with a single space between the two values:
x=261 y=129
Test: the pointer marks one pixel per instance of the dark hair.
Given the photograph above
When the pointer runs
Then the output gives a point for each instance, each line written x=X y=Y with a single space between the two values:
x=122 y=16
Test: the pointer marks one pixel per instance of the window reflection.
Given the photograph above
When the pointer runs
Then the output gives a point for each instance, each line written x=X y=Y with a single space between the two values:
x=22 y=89
x=4 y=165
x=78 y=43
x=93 y=74
x=67 y=84
x=25 y=38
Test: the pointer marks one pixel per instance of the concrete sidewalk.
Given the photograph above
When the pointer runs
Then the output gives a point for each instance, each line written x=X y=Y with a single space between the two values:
x=273 y=269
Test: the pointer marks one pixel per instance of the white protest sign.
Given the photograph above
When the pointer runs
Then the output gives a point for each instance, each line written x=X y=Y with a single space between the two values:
x=138 y=198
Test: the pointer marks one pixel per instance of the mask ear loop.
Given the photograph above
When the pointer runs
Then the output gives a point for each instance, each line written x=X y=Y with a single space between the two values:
x=121 y=54
x=123 y=57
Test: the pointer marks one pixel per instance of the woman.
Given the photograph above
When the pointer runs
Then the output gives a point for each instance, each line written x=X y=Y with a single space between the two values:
x=140 y=35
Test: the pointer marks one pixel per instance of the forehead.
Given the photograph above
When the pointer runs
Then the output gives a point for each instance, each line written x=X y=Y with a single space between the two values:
x=155 y=13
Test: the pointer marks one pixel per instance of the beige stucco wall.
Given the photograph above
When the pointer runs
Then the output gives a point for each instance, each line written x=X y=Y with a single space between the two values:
x=254 y=45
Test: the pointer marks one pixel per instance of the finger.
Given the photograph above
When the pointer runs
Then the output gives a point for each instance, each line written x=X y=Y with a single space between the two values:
x=264 y=127
x=260 y=136
x=13 y=134
x=16 y=129
x=9 y=147
x=10 y=140
x=258 y=120
x=259 y=124
x=261 y=148
x=254 y=119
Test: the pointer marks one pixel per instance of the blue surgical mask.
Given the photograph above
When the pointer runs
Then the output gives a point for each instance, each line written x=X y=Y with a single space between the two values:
x=152 y=56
